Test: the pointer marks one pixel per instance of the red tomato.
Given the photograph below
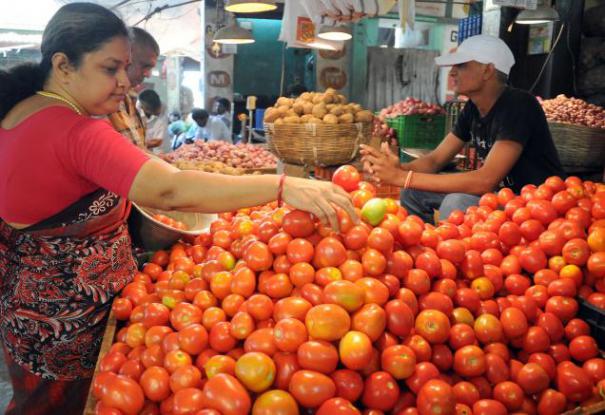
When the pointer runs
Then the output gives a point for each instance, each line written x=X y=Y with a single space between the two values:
x=552 y=325
x=595 y=368
x=311 y=389
x=369 y=319
x=472 y=265
x=330 y=252
x=193 y=339
x=532 y=378
x=286 y=364
x=289 y=334
x=546 y=361
x=536 y=340
x=433 y=325
x=466 y=393
x=576 y=252
x=468 y=298
x=299 y=250
x=430 y=263
x=565 y=308
x=509 y=233
x=279 y=243
x=488 y=329
x=442 y=357
x=436 y=398
x=423 y=372
x=575 y=328
x=489 y=407
x=469 y=361
x=275 y=402
x=356 y=237
x=399 y=361
x=327 y=322
x=318 y=355
x=510 y=394
x=258 y=256
x=410 y=232
x=374 y=262
x=120 y=392
x=155 y=382
x=573 y=382
x=583 y=348
x=381 y=240
x=112 y=362
x=298 y=224
x=337 y=406
x=380 y=391
x=349 y=384
x=226 y=394
x=514 y=322
x=355 y=350
x=188 y=400
x=496 y=369
x=461 y=335
x=346 y=177
x=121 y=307
x=400 y=318
x=551 y=402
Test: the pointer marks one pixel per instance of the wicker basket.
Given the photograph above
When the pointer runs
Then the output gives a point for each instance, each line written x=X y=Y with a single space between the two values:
x=579 y=147
x=317 y=144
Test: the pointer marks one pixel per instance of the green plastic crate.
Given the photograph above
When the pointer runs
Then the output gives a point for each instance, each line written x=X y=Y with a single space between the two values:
x=418 y=131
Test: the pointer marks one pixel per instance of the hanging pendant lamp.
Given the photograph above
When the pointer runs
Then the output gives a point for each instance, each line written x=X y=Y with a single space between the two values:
x=543 y=14
x=233 y=35
x=335 y=33
x=250 y=6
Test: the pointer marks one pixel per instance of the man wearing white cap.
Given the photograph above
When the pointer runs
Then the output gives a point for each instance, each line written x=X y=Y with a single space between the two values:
x=506 y=126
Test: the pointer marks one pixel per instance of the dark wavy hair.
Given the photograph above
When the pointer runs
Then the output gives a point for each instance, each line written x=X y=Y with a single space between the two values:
x=75 y=30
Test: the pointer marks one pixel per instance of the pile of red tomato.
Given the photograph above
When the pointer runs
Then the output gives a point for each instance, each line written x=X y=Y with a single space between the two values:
x=272 y=313
x=168 y=221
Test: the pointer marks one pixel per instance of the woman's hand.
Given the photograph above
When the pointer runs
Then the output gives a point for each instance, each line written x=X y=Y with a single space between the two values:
x=382 y=165
x=316 y=197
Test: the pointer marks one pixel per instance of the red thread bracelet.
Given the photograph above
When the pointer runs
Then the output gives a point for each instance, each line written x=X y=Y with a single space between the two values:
x=280 y=190
x=408 y=179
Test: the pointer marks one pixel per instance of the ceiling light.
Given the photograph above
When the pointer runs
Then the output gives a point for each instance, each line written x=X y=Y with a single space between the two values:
x=233 y=35
x=335 y=33
x=543 y=14
x=250 y=6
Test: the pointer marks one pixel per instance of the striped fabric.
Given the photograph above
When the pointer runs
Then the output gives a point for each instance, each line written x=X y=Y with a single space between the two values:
x=127 y=121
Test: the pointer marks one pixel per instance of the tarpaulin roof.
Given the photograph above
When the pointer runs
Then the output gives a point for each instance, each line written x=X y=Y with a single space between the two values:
x=176 y=24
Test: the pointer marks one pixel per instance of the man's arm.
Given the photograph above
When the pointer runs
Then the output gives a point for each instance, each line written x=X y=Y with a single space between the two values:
x=500 y=160
x=385 y=166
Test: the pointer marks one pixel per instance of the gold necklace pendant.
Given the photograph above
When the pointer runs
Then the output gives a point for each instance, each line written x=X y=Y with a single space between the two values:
x=61 y=98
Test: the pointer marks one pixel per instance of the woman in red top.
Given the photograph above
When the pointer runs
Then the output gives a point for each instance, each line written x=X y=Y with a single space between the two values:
x=65 y=182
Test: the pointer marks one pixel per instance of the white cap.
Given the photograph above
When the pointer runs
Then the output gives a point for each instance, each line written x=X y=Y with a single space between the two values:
x=483 y=49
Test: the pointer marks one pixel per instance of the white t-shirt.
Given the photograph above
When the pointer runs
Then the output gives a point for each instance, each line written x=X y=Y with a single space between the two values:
x=217 y=130
x=157 y=127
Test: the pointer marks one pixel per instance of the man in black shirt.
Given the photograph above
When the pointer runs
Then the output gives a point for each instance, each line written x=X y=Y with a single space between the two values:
x=506 y=126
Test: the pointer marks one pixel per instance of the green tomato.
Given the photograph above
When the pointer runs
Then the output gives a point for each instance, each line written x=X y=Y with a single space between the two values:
x=374 y=210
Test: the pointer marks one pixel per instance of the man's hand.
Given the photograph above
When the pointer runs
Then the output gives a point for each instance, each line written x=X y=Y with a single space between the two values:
x=383 y=165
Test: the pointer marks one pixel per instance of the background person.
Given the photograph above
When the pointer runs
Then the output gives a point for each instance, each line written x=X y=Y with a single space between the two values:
x=144 y=56
x=156 y=121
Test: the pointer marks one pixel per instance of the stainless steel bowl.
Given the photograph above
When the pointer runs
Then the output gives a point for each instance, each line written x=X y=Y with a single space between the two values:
x=151 y=235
